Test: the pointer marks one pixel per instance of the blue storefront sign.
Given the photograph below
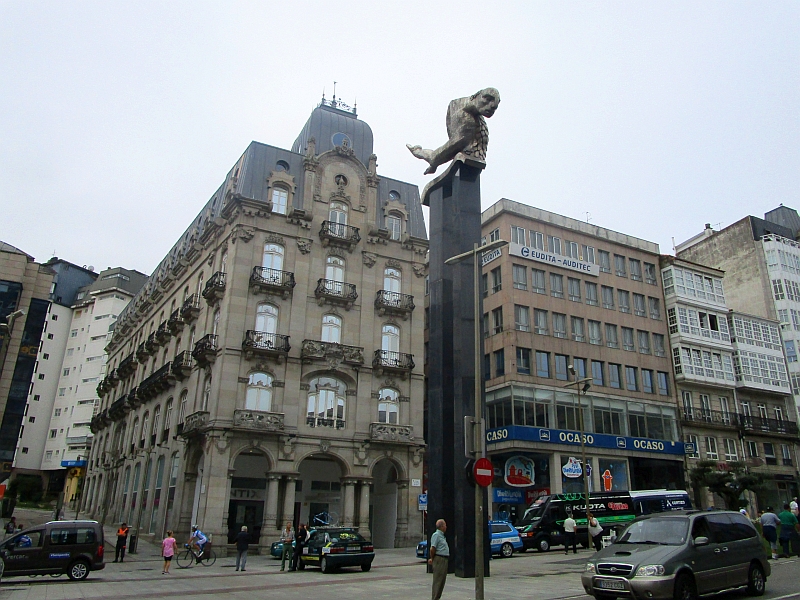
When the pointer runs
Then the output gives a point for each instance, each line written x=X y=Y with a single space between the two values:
x=73 y=463
x=507 y=496
x=591 y=440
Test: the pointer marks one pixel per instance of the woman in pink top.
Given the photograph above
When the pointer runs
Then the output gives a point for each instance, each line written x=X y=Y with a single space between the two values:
x=168 y=549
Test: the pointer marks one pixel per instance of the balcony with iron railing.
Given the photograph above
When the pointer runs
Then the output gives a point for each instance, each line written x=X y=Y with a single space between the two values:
x=151 y=345
x=336 y=292
x=261 y=343
x=388 y=360
x=205 y=350
x=215 y=288
x=760 y=425
x=175 y=322
x=182 y=365
x=134 y=400
x=394 y=303
x=142 y=354
x=272 y=281
x=190 y=308
x=338 y=234
x=156 y=383
x=163 y=334
x=325 y=421
x=127 y=367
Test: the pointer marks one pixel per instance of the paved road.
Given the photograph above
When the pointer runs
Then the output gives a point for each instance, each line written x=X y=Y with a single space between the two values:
x=396 y=574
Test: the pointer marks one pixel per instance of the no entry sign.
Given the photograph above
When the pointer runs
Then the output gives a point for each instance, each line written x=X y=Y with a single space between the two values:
x=484 y=472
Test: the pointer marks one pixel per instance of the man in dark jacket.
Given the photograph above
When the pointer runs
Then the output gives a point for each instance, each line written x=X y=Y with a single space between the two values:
x=122 y=542
x=242 y=543
x=300 y=542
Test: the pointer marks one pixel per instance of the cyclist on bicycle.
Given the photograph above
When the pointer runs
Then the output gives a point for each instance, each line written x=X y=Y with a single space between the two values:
x=198 y=540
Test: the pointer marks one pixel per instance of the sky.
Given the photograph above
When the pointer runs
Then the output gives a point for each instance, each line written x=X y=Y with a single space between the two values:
x=119 y=120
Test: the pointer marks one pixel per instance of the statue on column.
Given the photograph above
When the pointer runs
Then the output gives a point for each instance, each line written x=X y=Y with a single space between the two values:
x=466 y=130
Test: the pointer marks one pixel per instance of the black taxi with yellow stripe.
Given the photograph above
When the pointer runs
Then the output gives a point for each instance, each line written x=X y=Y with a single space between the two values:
x=330 y=548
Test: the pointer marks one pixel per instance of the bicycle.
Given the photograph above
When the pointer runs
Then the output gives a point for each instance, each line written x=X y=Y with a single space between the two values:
x=325 y=519
x=189 y=557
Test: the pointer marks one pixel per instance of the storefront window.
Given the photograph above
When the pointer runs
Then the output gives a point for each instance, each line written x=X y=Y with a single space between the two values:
x=613 y=474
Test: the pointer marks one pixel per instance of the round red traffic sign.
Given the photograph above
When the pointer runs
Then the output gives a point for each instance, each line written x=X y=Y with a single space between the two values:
x=484 y=472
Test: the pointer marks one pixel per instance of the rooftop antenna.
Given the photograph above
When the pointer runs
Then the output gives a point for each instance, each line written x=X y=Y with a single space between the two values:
x=323 y=93
x=334 y=91
x=588 y=217
x=673 y=245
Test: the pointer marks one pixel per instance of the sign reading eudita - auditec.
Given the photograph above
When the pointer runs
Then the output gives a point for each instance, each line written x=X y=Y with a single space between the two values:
x=555 y=260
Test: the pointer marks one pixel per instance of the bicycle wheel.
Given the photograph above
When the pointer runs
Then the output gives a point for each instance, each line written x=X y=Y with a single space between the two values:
x=184 y=559
x=333 y=518
x=209 y=558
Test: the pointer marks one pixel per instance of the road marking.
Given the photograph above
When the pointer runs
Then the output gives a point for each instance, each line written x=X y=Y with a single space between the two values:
x=786 y=596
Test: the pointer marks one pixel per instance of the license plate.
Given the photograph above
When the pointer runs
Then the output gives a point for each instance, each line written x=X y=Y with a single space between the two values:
x=354 y=548
x=611 y=585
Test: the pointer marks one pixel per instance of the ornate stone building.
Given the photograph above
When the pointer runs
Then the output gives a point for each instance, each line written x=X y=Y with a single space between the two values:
x=271 y=367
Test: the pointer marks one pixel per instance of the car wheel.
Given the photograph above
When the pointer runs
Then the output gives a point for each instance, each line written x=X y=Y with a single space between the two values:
x=756 y=580
x=366 y=568
x=685 y=588
x=506 y=550
x=79 y=570
x=543 y=545
x=323 y=565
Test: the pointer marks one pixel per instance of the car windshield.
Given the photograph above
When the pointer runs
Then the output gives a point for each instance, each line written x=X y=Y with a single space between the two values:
x=534 y=513
x=667 y=532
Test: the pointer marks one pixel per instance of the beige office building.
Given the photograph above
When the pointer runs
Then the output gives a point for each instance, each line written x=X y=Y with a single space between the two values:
x=271 y=368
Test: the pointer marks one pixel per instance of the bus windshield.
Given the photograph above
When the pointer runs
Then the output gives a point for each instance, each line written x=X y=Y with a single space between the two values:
x=532 y=514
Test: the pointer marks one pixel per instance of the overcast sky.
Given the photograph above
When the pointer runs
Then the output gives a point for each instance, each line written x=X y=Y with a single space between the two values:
x=118 y=120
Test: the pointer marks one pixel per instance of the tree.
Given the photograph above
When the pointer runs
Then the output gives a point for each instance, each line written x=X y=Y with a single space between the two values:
x=728 y=480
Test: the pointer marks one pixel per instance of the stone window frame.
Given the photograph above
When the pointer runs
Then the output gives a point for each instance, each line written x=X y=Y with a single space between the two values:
x=397 y=209
x=271 y=387
x=281 y=180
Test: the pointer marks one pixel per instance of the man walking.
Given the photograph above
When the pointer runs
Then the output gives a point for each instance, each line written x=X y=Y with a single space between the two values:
x=569 y=535
x=122 y=542
x=788 y=530
x=439 y=558
x=769 y=525
x=287 y=537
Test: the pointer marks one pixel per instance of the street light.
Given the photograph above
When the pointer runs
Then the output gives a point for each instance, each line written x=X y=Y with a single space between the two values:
x=581 y=387
x=479 y=448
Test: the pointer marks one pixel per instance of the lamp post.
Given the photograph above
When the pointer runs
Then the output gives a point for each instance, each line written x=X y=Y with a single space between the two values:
x=581 y=387
x=479 y=444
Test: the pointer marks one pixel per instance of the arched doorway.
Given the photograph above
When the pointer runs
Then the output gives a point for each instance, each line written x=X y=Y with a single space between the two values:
x=248 y=493
x=319 y=490
x=384 y=504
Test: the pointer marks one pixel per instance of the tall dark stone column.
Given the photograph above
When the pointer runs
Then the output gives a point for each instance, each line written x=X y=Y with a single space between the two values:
x=455 y=216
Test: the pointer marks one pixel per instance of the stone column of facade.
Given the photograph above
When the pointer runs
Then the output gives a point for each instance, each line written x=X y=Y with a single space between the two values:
x=288 y=500
x=184 y=505
x=269 y=526
x=348 y=508
x=363 y=509
x=401 y=529
x=213 y=510
x=555 y=473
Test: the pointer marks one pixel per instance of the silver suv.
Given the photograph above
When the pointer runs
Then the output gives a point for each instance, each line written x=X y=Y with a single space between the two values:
x=679 y=555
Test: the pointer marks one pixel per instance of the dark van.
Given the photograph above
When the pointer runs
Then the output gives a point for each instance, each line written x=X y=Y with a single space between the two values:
x=542 y=524
x=59 y=547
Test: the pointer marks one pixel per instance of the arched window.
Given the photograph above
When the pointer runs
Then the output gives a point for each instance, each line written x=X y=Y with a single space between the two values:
x=145 y=423
x=206 y=394
x=223 y=263
x=185 y=293
x=280 y=198
x=125 y=486
x=326 y=403
x=390 y=338
x=182 y=409
x=338 y=218
x=157 y=493
x=259 y=392
x=200 y=284
x=273 y=257
x=334 y=269
x=173 y=481
x=267 y=318
x=134 y=491
x=133 y=433
x=394 y=196
x=167 y=420
x=394 y=224
x=282 y=165
x=388 y=405
x=192 y=332
x=392 y=279
x=156 y=420
x=215 y=325
x=332 y=329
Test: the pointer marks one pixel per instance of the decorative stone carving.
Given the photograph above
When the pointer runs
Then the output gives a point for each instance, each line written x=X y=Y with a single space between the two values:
x=466 y=129
x=335 y=155
x=258 y=420
x=324 y=445
x=287 y=450
x=195 y=421
x=362 y=453
x=395 y=264
x=240 y=232
x=419 y=270
x=417 y=455
x=331 y=352
x=274 y=238
x=388 y=432
x=304 y=387
x=369 y=259
x=304 y=245
x=332 y=251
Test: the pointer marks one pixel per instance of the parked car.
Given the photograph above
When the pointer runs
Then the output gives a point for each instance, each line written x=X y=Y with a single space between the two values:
x=73 y=548
x=276 y=549
x=681 y=554
x=330 y=548
x=505 y=540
